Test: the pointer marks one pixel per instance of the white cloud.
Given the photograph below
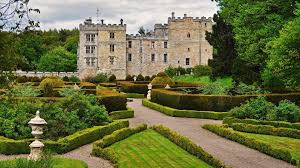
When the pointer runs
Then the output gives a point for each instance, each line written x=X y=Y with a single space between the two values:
x=136 y=13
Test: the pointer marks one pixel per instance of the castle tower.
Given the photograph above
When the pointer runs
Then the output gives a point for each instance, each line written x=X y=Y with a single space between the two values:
x=102 y=49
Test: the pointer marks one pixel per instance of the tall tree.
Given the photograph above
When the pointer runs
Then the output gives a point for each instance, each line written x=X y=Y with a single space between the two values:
x=221 y=38
x=283 y=67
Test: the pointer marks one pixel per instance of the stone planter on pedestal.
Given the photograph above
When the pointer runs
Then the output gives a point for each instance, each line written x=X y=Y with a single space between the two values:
x=36 y=147
x=149 y=91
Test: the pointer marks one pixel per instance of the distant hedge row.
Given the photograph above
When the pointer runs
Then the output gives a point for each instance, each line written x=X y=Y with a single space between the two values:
x=200 y=102
x=185 y=113
x=232 y=120
x=115 y=115
x=63 y=145
x=250 y=142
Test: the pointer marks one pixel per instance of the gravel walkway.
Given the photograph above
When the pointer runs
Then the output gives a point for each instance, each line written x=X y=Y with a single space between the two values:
x=229 y=152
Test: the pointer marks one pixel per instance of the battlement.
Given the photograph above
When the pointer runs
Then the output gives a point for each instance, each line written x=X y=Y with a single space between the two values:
x=185 y=17
x=161 y=26
x=90 y=26
x=139 y=37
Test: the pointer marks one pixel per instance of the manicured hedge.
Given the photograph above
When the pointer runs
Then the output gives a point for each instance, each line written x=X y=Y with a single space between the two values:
x=181 y=101
x=100 y=147
x=115 y=115
x=63 y=145
x=250 y=142
x=267 y=130
x=87 y=85
x=185 y=113
x=135 y=95
x=188 y=145
x=232 y=120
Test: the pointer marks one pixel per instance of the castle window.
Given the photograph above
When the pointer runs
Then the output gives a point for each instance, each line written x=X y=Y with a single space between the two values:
x=93 y=37
x=88 y=37
x=205 y=24
x=112 y=48
x=88 y=61
x=111 y=60
x=93 y=48
x=189 y=49
x=87 y=49
x=129 y=57
x=165 y=44
x=112 y=35
x=153 y=57
x=165 y=58
x=152 y=44
x=93 y=61
x=129 y=44
x=188 y=35
x=187 y=61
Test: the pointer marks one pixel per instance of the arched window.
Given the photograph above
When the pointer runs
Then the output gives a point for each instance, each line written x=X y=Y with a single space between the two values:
x=188 y=35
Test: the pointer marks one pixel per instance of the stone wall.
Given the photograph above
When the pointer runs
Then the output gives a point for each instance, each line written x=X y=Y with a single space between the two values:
x=42 y=74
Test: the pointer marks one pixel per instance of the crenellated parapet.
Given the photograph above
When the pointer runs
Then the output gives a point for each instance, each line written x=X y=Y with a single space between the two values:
x=90 y=26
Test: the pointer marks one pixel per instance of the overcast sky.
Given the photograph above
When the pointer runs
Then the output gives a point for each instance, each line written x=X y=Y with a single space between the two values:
x=70 y=13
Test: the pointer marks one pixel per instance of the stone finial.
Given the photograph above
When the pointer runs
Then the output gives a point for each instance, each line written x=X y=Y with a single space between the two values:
x=168 y=86
x=121 y=21
x=149 y=91
x=134 y=78
x=76 y=87
x=173 y=15
x=102 y=21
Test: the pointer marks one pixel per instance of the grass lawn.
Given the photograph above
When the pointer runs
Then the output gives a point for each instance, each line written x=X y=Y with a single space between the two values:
x=57 y=162
x=204 y=79
x=150 y=149
x=291 y=144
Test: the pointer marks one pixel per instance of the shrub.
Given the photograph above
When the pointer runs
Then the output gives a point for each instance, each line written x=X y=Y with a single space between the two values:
x=162 y=79
x=113 y=102
x=116 y=115
x=65 y=79
x=244 y=89
x=254 y=108
x=202 y=70
x=140 y=78
x=74 y=79
x=46 y=161
x=147 y=78
x=112 y=78
x=250 y=142
x=188 y=145
x=24 y=90
x=48 y=91
x=22 y=79
x=180 y=71
x=267 y=130
x=6 y=79
x=55 y=82
x=65 y=92
x=213 y=89
x=100 y=78
x=152 y=77
x=285 y=111
x=188 y=70
x=170 y=71
x=129 y=78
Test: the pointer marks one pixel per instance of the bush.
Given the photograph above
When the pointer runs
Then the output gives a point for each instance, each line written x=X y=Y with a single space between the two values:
x=22 y=79
x=65 y=79
x=140 y=78
x=267 y=130
x=170 y=71
x=188 y=145
x=74 y=79
x=6 y=79
x=55 y=82
x=129 y=78
x=285 y=111
x=65 y=92
x=23 y=90
x=213 y=89
x=100 y=78
x=113 y=102
x=116 y=115
x=48 y=91
x=231 y=120
x=254 y=108
x=162 y=79
x=112 y=78
x=202 y=70
x=152 y=77
x=185 y=113
x=147 y=78
x=250 y=142
x=180 y=71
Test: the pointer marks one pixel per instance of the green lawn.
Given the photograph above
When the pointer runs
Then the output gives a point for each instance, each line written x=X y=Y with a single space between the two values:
x=291 y=144
x=204 y=79
x=150 y=149
x=57 y=162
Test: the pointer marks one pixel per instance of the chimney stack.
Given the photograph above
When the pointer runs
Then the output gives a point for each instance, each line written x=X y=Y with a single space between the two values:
x=173 y=15
x=102 y=21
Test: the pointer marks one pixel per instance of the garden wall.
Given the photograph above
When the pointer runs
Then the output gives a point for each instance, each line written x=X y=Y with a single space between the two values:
x=201 y=102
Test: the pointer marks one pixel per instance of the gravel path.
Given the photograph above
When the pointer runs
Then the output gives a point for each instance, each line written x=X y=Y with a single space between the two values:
x=229 y=152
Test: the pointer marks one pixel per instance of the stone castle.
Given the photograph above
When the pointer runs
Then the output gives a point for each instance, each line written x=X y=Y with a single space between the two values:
x=106 y=48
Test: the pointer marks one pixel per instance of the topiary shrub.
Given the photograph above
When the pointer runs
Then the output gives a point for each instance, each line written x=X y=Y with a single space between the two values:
x=202 y=70
x=180 y=70
x=100 y=78
x=129 y=78
x=65 y=78
x=74 y=79
x=147 y=78
x=112 y=78
x=285 y=111
x=22 y=79
x=140 y=78
x=171 y=71
x=55 y=82
x=152 y=77
x=162 y=79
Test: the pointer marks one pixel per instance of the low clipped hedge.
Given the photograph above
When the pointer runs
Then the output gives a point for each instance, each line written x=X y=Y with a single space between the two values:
x=135 y=95
x=177 y=100
x=277 y=124
x=250 y=142
x=188 y=145
x=63 y=145
x=267 y=130
x=100 y=147
x=115 y=115
x=185 y=113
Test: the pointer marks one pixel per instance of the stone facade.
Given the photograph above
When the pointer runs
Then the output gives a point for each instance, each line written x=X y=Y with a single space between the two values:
x=107 y=49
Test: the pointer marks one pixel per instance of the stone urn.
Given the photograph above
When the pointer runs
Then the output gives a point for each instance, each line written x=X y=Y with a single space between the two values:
x=149 y=91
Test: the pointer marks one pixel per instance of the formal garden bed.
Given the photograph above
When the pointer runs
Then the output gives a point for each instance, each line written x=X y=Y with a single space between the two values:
x=130 y=147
